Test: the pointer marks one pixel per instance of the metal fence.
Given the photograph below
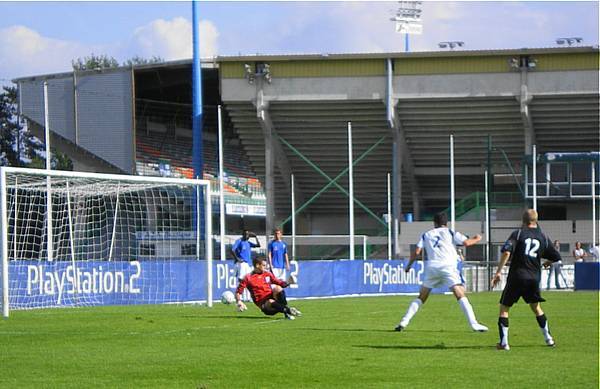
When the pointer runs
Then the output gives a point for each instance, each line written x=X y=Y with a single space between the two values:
x=477 y=277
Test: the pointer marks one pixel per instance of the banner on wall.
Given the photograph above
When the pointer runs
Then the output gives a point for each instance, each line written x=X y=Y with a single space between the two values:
x=43 y=284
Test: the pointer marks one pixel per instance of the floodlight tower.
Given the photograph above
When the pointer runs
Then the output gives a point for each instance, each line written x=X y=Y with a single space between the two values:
x=408 y=20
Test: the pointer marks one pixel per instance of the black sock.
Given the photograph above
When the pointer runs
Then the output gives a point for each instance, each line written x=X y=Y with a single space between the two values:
x=502 y=322
x=541 y=319
x=280 y=307
x=281 y=299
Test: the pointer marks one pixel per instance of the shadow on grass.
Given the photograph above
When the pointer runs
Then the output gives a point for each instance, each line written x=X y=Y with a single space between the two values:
x=376 y=330
x=440 y=346
x=231 y=317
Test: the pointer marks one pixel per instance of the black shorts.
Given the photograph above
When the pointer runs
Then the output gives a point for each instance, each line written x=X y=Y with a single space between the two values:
x=267 y=309
x=527 y=288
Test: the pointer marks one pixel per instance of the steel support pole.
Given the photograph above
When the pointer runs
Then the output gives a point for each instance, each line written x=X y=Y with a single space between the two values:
x=49 y=231
x=351 y=190
x=534 y=159
x=221 y=189
x=293 y=219
x=452 y=192
x=594 y=204
x=389 y=219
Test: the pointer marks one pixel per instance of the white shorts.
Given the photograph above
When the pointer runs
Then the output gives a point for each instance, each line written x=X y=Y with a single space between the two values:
x=436 y=277
x=242 y=269
x=279 y=273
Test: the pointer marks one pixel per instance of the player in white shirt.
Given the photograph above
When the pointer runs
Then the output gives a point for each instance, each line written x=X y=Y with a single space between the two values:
x=441 y=269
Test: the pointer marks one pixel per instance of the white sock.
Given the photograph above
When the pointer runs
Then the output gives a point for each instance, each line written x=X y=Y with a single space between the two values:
x=411 y=311
x=504 y=335
x=467 y=309
x=543 y=323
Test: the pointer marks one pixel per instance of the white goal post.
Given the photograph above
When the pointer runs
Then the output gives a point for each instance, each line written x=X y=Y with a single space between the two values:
x=80 y=239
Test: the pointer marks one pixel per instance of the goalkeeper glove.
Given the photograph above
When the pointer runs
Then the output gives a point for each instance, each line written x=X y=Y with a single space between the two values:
x=241 y=307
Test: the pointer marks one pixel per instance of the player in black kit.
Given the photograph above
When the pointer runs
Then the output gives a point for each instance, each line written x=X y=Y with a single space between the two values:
x=525 y=247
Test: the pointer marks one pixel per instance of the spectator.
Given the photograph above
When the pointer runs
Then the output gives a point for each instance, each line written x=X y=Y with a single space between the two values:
x=556 y=268
x=595 y=252
x=578 y=253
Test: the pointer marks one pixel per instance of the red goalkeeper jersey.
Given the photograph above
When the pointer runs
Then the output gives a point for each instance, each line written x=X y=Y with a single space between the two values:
x=259 y=285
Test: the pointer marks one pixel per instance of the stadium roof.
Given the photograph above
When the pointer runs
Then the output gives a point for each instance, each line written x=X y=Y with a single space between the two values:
x=212 y=62
x=468 y=93
x=413 y=54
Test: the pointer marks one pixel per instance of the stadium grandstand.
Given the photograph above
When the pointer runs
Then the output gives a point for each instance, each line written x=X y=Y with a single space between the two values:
x=288 y=114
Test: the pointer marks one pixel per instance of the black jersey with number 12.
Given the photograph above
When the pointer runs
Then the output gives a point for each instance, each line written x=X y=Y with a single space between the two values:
x=527 y=246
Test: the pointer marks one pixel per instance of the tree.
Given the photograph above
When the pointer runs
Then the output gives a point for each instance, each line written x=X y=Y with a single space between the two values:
x=94 y=62
x=17 y=146
x=142 y=61
x=9 y=127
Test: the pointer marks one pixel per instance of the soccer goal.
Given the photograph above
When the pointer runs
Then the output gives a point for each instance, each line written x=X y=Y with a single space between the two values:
x=82 y=239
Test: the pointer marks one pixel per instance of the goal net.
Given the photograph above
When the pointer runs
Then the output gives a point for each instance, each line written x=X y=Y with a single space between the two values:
x=80 y=239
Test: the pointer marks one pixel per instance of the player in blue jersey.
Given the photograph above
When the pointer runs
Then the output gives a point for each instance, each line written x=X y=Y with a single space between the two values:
x=441 y=269
x=279 y=262
x=242 y=253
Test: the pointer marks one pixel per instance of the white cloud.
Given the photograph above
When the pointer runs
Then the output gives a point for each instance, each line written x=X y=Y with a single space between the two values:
x=24 y=51
x=172 y=39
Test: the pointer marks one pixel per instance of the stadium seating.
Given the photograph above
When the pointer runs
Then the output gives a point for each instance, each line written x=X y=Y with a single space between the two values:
x=158 y=154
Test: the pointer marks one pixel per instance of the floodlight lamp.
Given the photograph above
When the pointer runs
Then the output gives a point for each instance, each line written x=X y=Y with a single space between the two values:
x=514 y=63
x=249 y=73
x=451 y=44
x=569 y=41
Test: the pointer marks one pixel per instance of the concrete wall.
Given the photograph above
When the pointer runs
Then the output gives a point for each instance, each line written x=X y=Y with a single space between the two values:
x=307 y=88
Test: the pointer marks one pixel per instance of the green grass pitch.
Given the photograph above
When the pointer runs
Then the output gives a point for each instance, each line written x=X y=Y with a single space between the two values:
x=343 y=343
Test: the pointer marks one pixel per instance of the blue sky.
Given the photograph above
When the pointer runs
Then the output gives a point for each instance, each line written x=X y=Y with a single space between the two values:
x=43 y=37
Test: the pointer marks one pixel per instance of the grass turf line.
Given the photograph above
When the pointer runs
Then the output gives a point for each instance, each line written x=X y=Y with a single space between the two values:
x=336 y=343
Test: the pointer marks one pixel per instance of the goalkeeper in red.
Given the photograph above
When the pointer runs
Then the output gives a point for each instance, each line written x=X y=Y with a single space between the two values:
x=266 y=291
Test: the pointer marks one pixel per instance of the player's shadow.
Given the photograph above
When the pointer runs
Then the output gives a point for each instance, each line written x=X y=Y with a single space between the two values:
x=343 y=329
x=225 y=317
x=375 y=330
x=440 y=346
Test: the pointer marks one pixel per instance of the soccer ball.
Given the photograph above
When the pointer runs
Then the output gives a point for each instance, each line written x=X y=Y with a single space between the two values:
x=227 y=297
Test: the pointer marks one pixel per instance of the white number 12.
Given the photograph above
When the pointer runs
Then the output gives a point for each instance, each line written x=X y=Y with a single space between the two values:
x=531 y=248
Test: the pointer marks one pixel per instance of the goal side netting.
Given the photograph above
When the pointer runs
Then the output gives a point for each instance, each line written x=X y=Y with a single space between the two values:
x=82 y=239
